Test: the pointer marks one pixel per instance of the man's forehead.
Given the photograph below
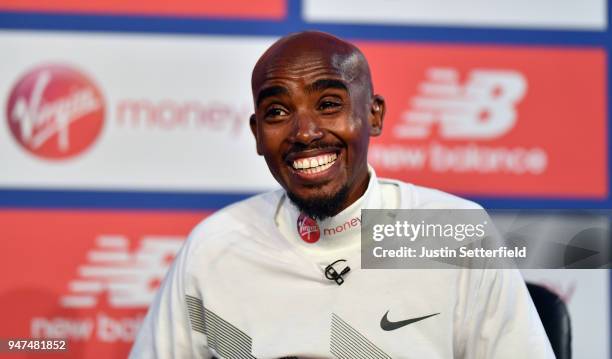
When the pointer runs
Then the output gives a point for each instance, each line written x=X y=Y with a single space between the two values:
x=304 y=66
x=308 y=54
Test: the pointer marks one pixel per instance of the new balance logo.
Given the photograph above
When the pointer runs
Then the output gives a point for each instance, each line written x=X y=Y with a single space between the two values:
x=483 y=108
x=129 y=279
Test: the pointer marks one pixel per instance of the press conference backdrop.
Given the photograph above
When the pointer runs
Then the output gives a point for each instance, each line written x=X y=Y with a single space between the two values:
x=125 y=123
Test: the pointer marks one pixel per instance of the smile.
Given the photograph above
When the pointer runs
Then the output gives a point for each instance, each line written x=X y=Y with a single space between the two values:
x=315 y=164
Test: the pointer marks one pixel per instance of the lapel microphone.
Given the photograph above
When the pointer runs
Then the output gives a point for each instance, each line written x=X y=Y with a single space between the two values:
x=332 y=274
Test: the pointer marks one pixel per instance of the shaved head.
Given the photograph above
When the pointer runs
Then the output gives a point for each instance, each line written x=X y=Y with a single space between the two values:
x=300 y=48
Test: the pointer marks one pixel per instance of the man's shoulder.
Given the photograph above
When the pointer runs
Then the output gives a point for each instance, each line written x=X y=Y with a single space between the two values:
x=420 y=197
x=243 y=217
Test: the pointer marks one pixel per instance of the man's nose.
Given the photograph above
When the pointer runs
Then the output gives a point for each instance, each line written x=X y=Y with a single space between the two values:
x=306 y=128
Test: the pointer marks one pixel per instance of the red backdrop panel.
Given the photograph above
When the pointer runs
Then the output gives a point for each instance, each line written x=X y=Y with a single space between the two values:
x=85 y=276
x=264 y=9
x=490 y=120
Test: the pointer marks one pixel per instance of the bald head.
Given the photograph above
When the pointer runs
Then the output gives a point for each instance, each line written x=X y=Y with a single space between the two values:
x=312 y=49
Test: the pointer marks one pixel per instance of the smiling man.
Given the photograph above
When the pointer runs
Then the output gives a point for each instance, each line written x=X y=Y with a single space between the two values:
x=314 y=114
x=261 y=278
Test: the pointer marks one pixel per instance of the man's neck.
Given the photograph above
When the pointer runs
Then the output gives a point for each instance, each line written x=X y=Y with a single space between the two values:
x=331 y=234
x=356 y=191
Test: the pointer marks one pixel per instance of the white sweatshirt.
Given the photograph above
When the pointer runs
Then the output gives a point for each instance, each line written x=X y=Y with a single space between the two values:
x=246 y=285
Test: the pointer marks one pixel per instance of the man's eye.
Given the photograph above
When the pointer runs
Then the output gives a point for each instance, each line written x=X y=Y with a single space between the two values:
x=329 y=106
x=276 y=112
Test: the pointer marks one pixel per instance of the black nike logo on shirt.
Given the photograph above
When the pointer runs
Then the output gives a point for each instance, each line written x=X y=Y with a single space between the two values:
x=385 y=324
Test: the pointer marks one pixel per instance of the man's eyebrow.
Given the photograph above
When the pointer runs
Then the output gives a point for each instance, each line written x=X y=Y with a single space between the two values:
x=323 y=84
x=271 y=91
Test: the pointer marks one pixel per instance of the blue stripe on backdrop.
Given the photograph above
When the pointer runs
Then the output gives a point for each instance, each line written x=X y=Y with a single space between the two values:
x=98 y=199
x=137 y=24
x=94 y=199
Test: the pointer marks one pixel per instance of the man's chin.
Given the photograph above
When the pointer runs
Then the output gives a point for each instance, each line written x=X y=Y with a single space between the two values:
x=320 y=205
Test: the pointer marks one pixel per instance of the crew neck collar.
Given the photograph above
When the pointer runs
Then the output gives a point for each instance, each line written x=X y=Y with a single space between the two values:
x=336 y=233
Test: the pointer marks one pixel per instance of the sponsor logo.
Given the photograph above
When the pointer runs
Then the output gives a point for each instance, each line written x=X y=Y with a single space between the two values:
x=55 y=112
x=91 y=274
x=113 y=282
x=482 y=108
x=493 y=120
x=129 y=279
x=172 y=115
x=349 y=224
x=308 y=229
x=387 y=325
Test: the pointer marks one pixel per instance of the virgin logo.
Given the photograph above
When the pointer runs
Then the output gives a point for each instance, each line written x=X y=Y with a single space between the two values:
x=55 y=112
x=308 y=229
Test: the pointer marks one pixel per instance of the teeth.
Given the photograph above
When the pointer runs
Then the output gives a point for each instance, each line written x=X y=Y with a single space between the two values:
x=322 y=168
x=315 y=164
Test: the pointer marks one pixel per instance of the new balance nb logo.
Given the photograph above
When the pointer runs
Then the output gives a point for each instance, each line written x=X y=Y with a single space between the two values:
x=130 y=279
x=483 y=108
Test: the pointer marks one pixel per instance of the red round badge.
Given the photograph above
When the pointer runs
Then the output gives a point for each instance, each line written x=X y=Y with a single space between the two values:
x=55 y=112
x=308 y=229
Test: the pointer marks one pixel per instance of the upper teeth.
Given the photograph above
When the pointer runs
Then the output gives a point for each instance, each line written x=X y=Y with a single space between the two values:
x=316 y=161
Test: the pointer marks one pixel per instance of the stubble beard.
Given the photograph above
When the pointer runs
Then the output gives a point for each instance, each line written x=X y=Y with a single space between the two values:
x=323 y=206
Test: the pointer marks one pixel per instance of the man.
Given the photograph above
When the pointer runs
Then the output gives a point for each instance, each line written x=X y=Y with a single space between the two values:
x=251 y=281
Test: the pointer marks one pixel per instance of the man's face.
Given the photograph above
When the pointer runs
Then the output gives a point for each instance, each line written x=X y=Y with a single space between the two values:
x=312 y=123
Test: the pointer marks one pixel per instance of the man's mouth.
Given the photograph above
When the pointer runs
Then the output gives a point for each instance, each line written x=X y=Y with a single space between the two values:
x=314 y=164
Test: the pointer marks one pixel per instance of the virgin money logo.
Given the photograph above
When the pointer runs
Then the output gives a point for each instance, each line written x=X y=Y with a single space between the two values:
x=308 y=229
x=481 y=108
x=55 y=112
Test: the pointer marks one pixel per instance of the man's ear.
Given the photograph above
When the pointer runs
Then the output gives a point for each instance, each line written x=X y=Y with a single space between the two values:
x=253 y=124
x=377 y=115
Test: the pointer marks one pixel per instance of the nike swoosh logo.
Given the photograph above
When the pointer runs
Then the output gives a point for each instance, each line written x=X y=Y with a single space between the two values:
x=385 y=324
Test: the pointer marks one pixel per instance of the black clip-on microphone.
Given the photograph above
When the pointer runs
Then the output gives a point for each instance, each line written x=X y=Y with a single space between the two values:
x=331 y=274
